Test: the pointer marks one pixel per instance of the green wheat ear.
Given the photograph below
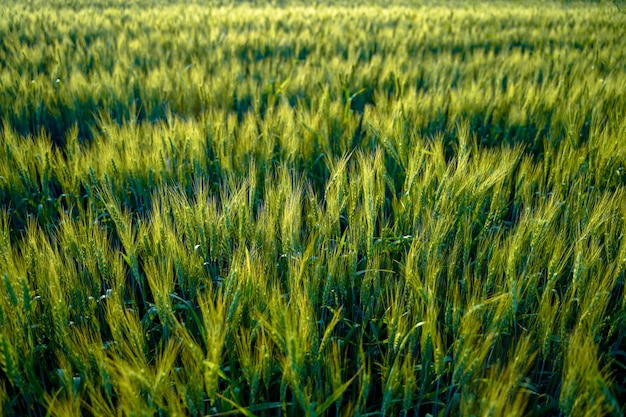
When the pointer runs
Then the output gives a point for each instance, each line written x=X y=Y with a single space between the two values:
x=9 y=363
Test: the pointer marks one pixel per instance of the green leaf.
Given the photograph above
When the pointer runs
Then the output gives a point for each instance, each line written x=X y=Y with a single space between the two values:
x=335 y=395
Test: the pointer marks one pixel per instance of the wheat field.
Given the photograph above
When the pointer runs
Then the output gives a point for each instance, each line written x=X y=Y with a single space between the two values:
x=333 y=209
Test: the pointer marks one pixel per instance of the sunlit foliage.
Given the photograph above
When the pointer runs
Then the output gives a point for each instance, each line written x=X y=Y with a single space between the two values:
x=312 y=210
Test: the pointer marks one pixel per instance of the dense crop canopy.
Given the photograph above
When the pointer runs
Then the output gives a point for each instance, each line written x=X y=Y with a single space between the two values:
x=312 y=210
